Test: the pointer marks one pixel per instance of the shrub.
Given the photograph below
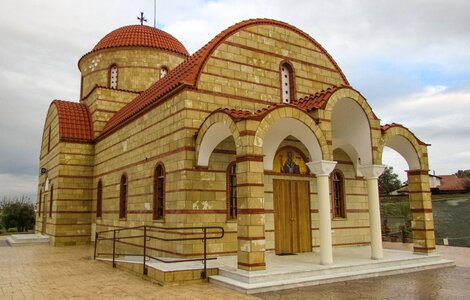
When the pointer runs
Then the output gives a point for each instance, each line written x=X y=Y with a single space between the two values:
x=13 y=229
x=16 y=213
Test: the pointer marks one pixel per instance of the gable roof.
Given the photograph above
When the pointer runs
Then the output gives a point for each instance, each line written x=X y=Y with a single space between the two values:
x=385 y=127
x=239 y=115
x=319 y=99
x=187 y=73
x=74 y=122
x=451 y=183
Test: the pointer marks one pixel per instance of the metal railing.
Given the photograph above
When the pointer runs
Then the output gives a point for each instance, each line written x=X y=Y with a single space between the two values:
x=149 y=233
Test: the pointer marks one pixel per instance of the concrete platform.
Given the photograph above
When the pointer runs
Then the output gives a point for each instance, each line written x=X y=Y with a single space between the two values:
x=294 y=271
x=27 y=239
x=286 y=272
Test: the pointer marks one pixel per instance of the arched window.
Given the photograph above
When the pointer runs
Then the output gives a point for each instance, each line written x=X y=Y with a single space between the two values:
x=123 y=197
x=50 y=202
x=113 y=77
x=159 y=193
x=99 y=199
x=232 y=191
x=39 y=202
x=287 y=83
x=337 y=191
x=163 y=72
x=49 y=140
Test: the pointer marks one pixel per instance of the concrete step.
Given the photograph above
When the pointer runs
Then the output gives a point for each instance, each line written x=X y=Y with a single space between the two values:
x=27 y=239
x=316 y=270
x=258 y=283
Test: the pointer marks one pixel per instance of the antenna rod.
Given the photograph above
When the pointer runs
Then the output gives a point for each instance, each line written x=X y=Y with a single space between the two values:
x=154 y=13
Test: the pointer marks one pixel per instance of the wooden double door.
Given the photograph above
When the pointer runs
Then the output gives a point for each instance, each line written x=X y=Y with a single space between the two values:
x=292 y=216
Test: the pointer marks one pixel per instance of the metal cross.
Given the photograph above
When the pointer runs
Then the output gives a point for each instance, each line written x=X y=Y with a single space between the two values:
x=142 y=19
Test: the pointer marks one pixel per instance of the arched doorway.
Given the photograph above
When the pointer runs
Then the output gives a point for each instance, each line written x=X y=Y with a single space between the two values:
x=291 y=200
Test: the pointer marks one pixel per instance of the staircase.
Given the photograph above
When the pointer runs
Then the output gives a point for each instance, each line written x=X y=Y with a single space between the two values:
x=280 y=278
x=27 y=239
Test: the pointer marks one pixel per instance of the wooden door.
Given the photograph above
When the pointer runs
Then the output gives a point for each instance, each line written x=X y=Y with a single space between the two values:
x=291 y=216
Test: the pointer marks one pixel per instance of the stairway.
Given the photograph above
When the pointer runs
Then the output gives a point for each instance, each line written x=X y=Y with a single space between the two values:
x=280 y=278
x=27 y=239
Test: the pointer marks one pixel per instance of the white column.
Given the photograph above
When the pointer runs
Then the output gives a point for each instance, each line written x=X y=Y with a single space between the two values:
x=372 y=173
x=322 y=170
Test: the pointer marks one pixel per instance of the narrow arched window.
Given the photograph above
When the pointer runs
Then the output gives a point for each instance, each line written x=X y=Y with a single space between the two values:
x=339 y=209
x=287 y=83
x=232 y=191
x=159 y=193
x=49 y=140
x=113 y=77
x=163 y=72
x=99 y=199
x=39 y=202
x=50 y=201
x=123 y=197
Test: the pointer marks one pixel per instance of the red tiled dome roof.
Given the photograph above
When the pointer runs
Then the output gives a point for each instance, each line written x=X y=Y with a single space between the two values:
x=143 y=36
x=74 y=122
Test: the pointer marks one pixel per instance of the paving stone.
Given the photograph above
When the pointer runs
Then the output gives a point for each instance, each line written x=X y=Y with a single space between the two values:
x=44 y=272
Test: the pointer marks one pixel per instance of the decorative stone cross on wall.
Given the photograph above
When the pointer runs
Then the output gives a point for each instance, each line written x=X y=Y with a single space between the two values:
x=142 y=19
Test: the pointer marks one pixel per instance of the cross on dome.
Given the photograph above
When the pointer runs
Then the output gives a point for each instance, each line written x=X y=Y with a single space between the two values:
x=142 y=19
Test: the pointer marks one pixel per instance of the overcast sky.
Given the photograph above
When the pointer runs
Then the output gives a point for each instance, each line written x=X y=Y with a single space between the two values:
x=410 y=59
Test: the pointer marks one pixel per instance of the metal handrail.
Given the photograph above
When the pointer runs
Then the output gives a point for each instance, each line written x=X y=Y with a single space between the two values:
x=206 y=235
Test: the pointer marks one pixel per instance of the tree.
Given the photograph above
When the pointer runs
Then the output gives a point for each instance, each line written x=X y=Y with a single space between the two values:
x=465 y=177
x=388 y=181
x=17 y=213
x=463 y=173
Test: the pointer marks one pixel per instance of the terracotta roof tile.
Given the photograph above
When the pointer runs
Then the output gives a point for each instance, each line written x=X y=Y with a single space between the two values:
x=74 y=122
x=318 y=100
x=142 y=36
x=238 y=115
x=385 y=127
x=188 y=72
x=451 y=183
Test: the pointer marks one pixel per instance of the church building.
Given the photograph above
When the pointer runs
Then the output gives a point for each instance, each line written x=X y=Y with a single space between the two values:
x=258 y=132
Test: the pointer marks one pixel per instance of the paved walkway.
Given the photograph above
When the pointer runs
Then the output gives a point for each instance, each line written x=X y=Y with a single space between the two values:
x=43 y=272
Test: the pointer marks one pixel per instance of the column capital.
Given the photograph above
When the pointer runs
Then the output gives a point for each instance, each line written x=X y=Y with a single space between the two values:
x=321 y=167
x=372 y=171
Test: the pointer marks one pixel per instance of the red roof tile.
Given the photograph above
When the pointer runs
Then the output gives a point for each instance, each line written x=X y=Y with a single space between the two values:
x=451 y=183
x=318 y=100
x=141 y=36
x=238 y=115
x=74 y=122
x=385 y=127
x=188 y=72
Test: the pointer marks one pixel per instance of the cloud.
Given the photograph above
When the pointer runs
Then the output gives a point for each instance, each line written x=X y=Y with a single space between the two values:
x=390 y=51
x=437 y=115
x=17 y=185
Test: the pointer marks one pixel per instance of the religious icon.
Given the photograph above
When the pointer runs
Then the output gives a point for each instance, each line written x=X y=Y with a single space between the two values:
x=290 y=166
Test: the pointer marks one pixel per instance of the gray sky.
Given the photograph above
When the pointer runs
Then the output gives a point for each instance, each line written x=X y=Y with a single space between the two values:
x=410 y=59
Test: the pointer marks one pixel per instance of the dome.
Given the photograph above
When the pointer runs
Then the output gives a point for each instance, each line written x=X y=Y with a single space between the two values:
x=141 y=36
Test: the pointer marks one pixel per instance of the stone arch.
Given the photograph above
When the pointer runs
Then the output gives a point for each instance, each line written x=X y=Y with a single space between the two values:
x=217 y=127
x=352 y=121
x=402 y=140
x=285 y=121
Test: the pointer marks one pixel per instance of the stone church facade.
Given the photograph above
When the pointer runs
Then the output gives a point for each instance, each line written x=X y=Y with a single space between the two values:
x=259 y=132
